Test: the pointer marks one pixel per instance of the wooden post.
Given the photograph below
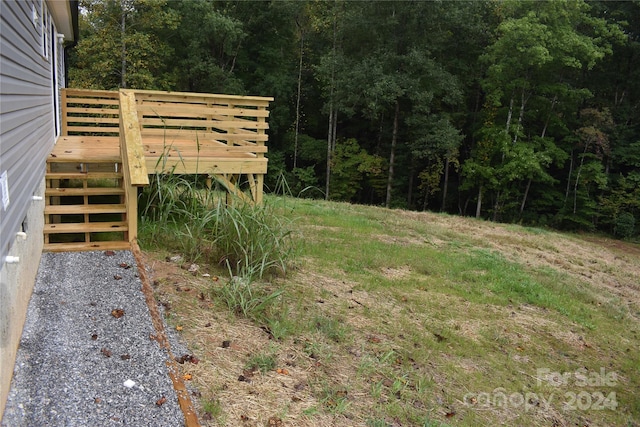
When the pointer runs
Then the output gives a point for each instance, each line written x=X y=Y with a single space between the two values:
x=134 y=169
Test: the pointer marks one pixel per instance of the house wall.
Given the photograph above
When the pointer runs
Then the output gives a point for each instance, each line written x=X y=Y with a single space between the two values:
x=27 y=135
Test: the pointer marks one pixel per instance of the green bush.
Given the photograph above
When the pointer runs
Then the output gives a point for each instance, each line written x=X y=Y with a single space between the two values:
x=625 y=225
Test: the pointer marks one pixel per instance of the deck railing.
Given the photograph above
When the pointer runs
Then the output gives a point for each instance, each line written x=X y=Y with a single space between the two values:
x=134 y=169
x=223 y=136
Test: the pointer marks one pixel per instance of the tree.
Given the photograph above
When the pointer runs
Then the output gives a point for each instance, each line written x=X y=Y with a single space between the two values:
x=120 y=47
x=540 y=49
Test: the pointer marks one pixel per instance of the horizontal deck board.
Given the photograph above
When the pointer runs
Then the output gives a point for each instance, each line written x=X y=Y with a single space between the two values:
x=81 y=175
x=92 y=191
x=202 y=166
x=85 y=227
x=89 y=246
x=83 y=209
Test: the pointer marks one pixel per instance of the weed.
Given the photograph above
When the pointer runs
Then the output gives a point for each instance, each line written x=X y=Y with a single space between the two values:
x=332 y=328
x=334 y=399
x=213 y=407
x=264 y=362
x=251 y=300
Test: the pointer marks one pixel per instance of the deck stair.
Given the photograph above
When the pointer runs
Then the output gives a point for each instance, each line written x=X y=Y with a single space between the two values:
x=84 y=206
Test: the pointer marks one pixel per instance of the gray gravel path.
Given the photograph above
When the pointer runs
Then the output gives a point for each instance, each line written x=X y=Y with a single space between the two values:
x=75 y=356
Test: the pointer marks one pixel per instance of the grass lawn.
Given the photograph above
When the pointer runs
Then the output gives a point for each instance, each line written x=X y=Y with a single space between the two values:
x=398 y=318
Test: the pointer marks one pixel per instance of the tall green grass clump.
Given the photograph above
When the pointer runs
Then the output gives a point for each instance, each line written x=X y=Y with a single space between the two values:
x=179 y=213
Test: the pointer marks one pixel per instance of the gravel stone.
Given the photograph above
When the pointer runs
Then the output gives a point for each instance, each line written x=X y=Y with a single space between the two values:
x=63 y=376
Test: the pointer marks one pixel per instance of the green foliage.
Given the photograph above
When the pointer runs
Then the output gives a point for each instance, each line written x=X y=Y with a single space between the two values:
x=249 y=299
x=352 y=166
x=263 y=362
x=625 y=225
x=530 y=105
x=251 y=241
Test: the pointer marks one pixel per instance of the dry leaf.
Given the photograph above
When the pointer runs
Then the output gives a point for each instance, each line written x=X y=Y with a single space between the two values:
x=125 y=357
x=282 y=371
x=125 y=265
x=117 y=313
x=117 y=277
x=109 y=253
x=178 y=328
x=187 y=377
x=161 y=401
x=106 y=352
x=275 y=422
x=94 y=337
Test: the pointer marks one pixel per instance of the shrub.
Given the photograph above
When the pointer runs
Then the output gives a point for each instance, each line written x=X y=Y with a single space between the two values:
x=625 y=225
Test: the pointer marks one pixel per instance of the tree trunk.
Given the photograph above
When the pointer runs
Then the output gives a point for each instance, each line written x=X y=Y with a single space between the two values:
x=575 y=187
x=496 y=206
x=123 y=58
x=329 y=148
x=394 y=142
x=542 y=135
x=566 y=193
x=479 y=204
x=446 y=185
x=524 y=198
x=331 y=134
x=509 y=115
x=295 y=140
x=523 y=103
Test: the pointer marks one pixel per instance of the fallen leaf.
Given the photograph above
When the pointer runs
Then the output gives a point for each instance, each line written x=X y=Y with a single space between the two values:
x=187 y=358
x=106 y=352
x=226 y=344
x=125 y=265
x=450 y=414
x=208 y=325
x=282 y=371
x=161 y=401
x=97 y=400
x=117 y=277
x=125 y=357
x=178 y=328
x=109 y=253
x=94 y=337
x=117 y=313
x=187 y=377
x=275 y=422
x=374 y=339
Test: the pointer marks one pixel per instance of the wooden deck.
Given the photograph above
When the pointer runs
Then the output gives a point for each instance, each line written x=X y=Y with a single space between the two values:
x=122 y=137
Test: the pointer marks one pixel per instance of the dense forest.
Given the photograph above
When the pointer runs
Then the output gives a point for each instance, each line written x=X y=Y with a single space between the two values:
x=514 y=111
